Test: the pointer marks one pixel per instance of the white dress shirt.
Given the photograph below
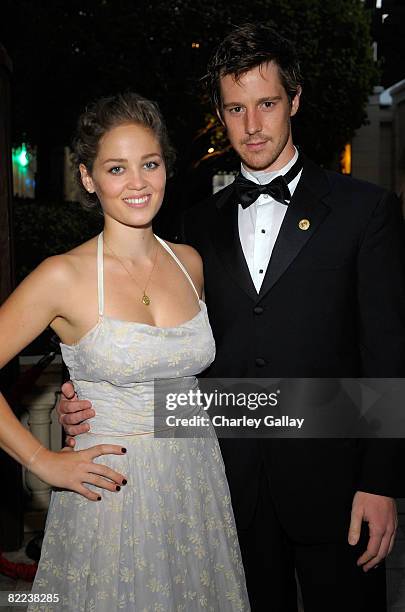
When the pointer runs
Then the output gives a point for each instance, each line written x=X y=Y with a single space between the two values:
x=260 y=223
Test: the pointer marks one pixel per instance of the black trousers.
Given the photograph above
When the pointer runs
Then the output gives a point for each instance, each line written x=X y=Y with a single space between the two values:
x=329 y=577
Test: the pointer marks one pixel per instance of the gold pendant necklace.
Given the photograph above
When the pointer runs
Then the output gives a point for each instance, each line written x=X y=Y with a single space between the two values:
x=145 y=298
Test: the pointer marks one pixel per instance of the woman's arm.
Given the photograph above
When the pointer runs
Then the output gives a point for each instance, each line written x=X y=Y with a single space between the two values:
x=26 y=313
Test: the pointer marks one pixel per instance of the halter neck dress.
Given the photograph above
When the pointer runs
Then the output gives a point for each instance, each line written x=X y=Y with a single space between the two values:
x=167 y=541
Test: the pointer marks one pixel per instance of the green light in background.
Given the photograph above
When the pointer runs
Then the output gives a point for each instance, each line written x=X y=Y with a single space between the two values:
x=21 y=156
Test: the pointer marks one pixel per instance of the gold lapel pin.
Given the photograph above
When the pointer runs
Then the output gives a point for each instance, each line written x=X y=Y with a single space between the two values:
x=304 y=224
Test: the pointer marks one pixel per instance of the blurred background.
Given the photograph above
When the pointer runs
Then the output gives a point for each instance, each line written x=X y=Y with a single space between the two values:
x=65 y=54
x=56 y=57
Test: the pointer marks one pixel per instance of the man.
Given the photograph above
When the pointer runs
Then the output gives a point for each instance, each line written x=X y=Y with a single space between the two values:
x=303 y=279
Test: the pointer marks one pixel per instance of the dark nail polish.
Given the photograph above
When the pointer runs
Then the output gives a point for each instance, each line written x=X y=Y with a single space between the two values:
x=124 y=482
x=124 y=450
x=117 y=488
x=99 y=498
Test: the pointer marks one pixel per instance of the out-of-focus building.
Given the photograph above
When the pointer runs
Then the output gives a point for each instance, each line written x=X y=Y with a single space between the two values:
x=387 y=31
x=378 y=148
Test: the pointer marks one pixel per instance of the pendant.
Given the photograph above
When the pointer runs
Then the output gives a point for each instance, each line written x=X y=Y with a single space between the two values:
x=145 y=299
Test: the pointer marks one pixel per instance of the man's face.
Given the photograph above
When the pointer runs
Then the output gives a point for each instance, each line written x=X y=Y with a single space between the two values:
x=256 y=113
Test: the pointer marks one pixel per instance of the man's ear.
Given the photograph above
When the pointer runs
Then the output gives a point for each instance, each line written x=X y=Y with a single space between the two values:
x=295 y=102
x=219 y=116
x=86 y=179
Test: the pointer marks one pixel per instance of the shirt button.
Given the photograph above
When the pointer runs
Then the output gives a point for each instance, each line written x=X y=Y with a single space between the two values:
x=258 y=310
x=266 y=195
x=260 y=362
x=263 y=231
x=261 y=271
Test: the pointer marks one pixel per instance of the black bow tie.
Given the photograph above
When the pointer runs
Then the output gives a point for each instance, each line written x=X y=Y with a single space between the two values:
x=247 y=192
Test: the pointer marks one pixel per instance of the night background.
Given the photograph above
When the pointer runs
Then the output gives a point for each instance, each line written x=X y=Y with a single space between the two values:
x=65 y=54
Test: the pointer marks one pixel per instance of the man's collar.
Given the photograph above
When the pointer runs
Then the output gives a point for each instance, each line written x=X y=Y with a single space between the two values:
x=262 y=177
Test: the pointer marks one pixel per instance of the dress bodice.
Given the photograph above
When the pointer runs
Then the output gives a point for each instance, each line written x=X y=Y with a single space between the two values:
x=116 y=363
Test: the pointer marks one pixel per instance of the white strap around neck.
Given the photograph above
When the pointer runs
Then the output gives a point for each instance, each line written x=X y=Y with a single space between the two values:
x=100 y=274
x=177 y=260
x=100 y=270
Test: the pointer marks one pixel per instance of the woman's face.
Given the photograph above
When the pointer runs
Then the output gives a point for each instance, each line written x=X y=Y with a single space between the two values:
x=129 y=174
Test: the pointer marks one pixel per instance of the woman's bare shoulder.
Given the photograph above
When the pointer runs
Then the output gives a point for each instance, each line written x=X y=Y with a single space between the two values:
x=66 y=267
x=192 y=261
x=187 y=254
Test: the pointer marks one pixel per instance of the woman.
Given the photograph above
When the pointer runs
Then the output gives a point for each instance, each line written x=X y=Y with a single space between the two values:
x=127 y=307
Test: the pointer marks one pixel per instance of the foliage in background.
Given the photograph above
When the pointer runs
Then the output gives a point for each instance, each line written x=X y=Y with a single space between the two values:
x=333 y=42
x=42 y=229
x=67 y=53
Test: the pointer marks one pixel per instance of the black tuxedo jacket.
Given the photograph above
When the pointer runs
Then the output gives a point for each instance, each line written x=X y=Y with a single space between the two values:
x=332 y=304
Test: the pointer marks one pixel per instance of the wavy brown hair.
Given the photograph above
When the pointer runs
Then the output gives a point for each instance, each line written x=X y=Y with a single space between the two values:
x=105 y=114
x=246 y=47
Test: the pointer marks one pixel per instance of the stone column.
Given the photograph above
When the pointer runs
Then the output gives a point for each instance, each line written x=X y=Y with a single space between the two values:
x=41 y=420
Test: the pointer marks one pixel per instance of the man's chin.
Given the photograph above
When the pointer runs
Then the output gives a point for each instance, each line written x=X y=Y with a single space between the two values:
x=257 y=164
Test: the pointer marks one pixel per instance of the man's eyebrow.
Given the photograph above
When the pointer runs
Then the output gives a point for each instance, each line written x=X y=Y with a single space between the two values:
x=231 y=104
x=269 y=99
x=259 y=101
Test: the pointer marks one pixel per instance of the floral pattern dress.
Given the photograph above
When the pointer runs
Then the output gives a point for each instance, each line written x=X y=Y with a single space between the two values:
x=167 y=541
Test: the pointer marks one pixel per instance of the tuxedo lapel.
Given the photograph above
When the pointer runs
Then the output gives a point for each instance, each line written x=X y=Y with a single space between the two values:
x=225 y=237
x=306 y=206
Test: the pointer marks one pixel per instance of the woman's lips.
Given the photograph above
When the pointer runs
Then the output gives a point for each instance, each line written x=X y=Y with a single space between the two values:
x=138 y=202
